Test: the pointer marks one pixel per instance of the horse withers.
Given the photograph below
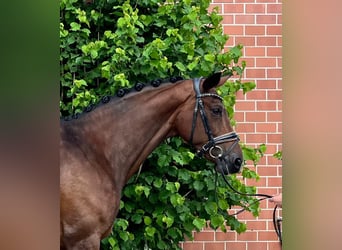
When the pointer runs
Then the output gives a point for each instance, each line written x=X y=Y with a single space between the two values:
x=102 y=149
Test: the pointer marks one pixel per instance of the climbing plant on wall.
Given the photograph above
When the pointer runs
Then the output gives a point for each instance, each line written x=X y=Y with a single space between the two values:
x=106 y=45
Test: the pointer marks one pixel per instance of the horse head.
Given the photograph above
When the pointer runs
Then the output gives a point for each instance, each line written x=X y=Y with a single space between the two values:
x=204 y=123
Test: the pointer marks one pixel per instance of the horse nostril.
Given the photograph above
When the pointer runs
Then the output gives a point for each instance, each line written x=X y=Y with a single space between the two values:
x=238 y=162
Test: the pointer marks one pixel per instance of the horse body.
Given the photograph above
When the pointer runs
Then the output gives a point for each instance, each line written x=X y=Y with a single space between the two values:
x=102 y=149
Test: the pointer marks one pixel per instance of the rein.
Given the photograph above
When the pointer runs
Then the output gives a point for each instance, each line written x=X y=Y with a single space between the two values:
x=276 y=222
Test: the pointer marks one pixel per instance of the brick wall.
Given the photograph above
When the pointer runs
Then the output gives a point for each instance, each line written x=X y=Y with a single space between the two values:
x=257 y=24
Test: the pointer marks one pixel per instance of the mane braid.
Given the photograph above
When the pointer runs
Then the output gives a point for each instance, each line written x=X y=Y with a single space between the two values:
x=121 y=92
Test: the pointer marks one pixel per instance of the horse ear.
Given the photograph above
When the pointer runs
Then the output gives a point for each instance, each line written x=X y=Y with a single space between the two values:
x=214 y=80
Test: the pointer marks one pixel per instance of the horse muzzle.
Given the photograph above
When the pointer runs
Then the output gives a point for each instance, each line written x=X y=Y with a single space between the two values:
x=229 y=164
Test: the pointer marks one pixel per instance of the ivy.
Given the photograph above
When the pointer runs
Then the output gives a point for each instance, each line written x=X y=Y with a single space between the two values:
x=111 y=44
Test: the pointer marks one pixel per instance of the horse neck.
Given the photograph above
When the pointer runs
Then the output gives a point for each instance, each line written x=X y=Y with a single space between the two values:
x=127 y=130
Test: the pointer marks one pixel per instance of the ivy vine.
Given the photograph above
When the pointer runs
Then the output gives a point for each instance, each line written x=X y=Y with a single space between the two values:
x=110 y=44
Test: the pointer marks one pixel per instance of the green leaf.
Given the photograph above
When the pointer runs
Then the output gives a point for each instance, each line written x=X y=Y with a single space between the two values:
x=262 y=148
x=223 y=204
x=199 y=223
x=123 y=236
x=180 y=66
x=210 y=207
x=216 y=220
x=209 y=57
x=198 y=185
x=147 y=220
x=150 y=231
x=75 y=26
x=168 y=221
x=158 y=183
x=176 y=200
x=248 y=86
x=80 y=83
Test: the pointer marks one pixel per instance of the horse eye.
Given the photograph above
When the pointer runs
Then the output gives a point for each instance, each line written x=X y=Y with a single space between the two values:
x=217 y=111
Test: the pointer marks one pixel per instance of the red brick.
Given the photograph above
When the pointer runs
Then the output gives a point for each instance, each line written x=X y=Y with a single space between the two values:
x=256 y=95
x=266 y=84
x=245 y=127
x=279 y=19
x=273 y=161
x=214 y=246
x=244 y=216
x=233 y=8
x=274 y=30
x=244 y=19
x=267 y=171
x=228 y=19
x=274 y=8
x=240 y=96
x=255 y=116
x=257 y=245
x=239 y=116
x=247 y=236
x=267 y=235
x=204 y=236
x=273 y=246
x=266 y=62
x=255 y=8
x=250 y=62
x=279 y=84
x=279 y=41
x=255 y=30
x=274 y=51
x=230 y=43
x=266 y=41
x=225 y=236
x=266 y=105
x=256 y=138
x=265 y=127
x=274 y=182
x=279 y=62
x=270 y=225
x=274 y=117
x=274 y=95
x=262 y=161
x=274 y=73
x=270 y=148
x=233 y=30
x=245 y=105
x=252 y=182
x=255 y=51
x=265 y=1
x=279 y=127
x=223 y=1
x=266 y=19
x=193 y=246
x=255 y=73
x=245 y=40
x=256 y=225
x=236 y=245
x=279 y=105
x=274 y=138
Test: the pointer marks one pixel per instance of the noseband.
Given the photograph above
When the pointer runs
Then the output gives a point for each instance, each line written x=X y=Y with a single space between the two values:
x=211 y=146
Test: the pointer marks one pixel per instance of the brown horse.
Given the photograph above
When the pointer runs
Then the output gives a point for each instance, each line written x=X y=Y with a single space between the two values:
x=102 y=149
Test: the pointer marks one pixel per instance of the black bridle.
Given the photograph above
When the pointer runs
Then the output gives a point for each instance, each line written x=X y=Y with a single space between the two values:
x=211 y=146
x=216 y=151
